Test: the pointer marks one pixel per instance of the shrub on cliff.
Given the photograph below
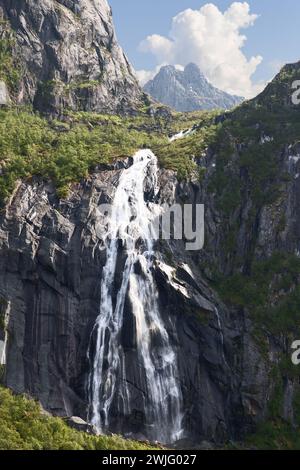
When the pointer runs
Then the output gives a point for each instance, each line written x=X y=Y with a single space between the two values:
x=23 y=426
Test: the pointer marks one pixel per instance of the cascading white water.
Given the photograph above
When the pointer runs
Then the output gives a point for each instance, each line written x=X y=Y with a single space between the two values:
x=131 y=222
x=3 y=343
x=182 y=134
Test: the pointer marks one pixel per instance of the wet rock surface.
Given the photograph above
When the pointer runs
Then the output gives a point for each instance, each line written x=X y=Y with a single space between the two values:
x=51 y=259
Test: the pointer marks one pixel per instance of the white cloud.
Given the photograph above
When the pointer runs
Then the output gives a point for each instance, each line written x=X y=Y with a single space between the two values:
x=145 y=75
x=213 y=40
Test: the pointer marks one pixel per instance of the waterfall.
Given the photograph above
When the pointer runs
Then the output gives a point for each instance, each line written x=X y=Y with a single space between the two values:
x=183 y=134
x=4 y=339
x=3 y=346
x=130 y=224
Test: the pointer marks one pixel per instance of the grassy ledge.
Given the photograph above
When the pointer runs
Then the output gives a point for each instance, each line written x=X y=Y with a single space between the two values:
x=67 y=151
x=23 y=426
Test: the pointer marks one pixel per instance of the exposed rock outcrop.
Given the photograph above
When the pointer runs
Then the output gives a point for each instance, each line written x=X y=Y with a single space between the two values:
x=68 y=56
x=4 y=95
x=80 y=425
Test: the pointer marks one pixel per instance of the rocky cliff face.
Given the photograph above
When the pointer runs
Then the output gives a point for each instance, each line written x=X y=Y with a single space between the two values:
x=52 y=256
x=188 y=90
x=67 y=56
x=230 y=310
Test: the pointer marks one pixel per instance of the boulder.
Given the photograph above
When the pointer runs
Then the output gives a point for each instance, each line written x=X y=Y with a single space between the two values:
x=80 y=425
x=4 y=95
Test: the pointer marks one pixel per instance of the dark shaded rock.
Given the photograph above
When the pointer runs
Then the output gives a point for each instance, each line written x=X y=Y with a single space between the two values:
x=51 y=260
x=51 y=254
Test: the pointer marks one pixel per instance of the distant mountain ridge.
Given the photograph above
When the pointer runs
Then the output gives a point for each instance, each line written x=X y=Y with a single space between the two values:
x=188 y=90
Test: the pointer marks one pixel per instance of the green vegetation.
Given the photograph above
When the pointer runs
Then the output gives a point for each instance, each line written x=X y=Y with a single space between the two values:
x=180 y=155
x=30 y=145
x=23 y=426
x=245 y=166
x=270 y=292
x=2 y=373
x=9 y=71
x=278 y=93
x=247 y=169
x=49 y=88
x=183 y=121
x=84 y=84
x=276 y=433
x=268 y=289
x=66 y=151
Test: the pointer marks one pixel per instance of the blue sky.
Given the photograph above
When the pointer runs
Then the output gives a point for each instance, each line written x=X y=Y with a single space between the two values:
x=274 y=34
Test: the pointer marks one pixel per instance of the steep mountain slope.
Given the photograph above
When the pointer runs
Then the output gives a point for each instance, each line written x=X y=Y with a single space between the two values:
x=66 y=56
x=230 y=312
x=188 y=90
